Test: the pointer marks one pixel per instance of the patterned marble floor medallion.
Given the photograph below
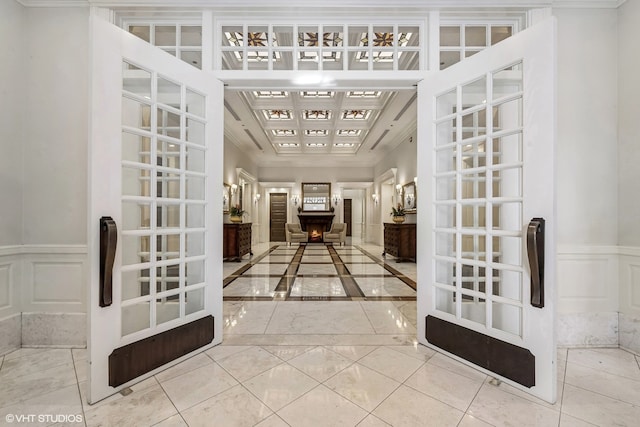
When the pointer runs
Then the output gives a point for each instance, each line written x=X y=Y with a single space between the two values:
x=315 y=272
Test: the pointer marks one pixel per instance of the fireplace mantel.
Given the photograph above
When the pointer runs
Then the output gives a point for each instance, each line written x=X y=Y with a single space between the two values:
x=315 y=223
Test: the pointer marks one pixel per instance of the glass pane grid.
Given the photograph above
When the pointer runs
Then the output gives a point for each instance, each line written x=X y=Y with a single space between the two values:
x=177 y=39
x=459 y=41
x=484 y=233
x=317 y=46
x=154 y=251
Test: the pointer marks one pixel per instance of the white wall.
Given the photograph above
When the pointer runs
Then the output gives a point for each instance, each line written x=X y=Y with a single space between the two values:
x=403 y=157
x=45 y=83
x=587 y=127
x=12 y=88
x=234 y=158
x=55 y=151
x=629 y=174
x=628 y=133
x=12 y=93
x=587 y=177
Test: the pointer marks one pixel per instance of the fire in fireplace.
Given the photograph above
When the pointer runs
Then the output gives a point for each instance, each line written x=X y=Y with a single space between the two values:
x=315 y=235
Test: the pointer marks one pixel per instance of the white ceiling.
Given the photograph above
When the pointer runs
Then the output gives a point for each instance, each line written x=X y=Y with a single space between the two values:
x=312 y=128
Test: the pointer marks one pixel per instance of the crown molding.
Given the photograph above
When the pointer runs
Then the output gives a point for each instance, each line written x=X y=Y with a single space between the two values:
x=587 y=4
x=54 y=3
x=326 y=4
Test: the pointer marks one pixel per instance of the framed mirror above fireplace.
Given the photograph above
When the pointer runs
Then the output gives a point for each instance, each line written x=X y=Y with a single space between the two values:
x=316 y=196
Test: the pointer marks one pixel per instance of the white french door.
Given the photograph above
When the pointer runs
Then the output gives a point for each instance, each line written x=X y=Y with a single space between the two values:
x=155 y=221
x=486 y=155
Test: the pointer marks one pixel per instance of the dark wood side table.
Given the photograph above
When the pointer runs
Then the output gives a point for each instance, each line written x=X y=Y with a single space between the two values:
x=236 y=241
x=400 y=241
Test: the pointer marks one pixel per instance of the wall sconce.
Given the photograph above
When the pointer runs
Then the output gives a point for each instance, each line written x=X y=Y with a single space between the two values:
x=374 y=196
x=399 y=189
x=234 y=188
x=256 y=199
x=295 y=199
x=336 y=199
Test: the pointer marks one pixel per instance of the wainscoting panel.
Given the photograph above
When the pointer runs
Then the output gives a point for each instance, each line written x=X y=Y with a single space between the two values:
x=588 y=296
x=10 y=319
x=10 y=273
x=6 y=284
x=57 y=283
x=588 y=279
x=629 y=318
x=42 y=296
x=55 y=279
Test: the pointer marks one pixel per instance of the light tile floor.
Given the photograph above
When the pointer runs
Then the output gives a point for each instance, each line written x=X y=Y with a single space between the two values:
x=320 y=363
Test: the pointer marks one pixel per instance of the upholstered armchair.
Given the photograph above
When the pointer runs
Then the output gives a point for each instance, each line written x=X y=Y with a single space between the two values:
x=294 y=233
x=337 y=233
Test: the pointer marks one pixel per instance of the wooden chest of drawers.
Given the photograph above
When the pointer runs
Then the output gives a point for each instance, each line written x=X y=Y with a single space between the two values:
x=400 y=241
x=236 y=241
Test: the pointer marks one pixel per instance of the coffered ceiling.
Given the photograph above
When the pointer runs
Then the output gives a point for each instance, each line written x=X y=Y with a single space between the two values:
x=319 y=127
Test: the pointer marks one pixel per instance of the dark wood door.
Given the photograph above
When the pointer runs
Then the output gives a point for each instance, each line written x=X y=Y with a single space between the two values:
x=278 y=216
x=347 y=215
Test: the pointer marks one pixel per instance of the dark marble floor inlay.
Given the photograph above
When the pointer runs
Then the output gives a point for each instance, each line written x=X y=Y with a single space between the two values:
x=314 y=281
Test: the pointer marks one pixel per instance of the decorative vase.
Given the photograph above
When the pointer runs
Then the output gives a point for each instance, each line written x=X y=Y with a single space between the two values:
x=235 y=218
x=398 y=219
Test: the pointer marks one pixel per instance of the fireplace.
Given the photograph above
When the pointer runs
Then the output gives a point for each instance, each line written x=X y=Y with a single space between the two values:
x=315 y=224
x=315 y=233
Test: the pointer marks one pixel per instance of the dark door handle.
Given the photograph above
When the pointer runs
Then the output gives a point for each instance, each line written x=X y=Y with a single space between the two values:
x=535 y=251
x=108 y=242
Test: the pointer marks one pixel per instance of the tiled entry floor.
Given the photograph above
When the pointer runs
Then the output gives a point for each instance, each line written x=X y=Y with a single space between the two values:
x=299 y=363
x=318 y=272
x=331 y=385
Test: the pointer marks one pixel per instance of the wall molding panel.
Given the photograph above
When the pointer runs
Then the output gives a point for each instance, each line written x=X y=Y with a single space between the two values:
x=43 y=296
x=629 y=319
x=588 y=296
x=587 y=279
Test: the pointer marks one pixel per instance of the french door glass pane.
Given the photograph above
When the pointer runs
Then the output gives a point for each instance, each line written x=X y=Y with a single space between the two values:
x=507 y=317
x=135 y=317
x=136 y=80
x=136 y=215
x=135 y=283
x=136 y=148
x=194 y=301
x=506 y=284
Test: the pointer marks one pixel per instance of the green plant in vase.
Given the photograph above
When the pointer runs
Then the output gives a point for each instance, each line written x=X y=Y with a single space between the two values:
x=235 y=213
x=398 y=213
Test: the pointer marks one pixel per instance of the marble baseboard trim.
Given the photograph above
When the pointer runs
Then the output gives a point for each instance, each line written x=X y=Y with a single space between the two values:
x=10 y=333
x=317 y=339
x=54 y=330
x=588 y=329
x=629 y=331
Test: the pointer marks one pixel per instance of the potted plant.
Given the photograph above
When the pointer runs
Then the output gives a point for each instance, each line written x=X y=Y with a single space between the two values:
x=398 y=214
x=235 y=213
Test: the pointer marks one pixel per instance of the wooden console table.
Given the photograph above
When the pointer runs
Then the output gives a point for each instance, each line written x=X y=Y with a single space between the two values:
x=400 y=241
x=236 y=241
